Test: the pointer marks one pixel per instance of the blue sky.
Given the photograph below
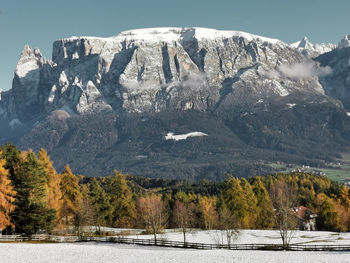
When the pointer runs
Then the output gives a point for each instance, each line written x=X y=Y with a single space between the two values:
x=40 y=22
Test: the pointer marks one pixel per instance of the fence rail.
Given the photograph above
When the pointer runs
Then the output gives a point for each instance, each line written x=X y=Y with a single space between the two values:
x=176 y=244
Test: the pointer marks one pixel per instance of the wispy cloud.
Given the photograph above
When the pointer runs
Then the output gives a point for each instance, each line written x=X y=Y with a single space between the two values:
x=305 y=70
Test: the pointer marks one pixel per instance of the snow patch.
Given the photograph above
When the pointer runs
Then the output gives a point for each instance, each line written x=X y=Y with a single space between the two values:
x=171 y=136
x=75 y=55
x=52 y=94
x=23 y=69
x=173 y=34
x=291 y=105
x=280 y=89
x=207 y=33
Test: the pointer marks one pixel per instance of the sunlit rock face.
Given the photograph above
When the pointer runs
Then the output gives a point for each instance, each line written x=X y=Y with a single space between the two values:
x=150 y=70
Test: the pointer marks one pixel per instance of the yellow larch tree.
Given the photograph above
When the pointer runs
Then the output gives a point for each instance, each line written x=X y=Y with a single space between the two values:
x=53 y=181
x=7 y=195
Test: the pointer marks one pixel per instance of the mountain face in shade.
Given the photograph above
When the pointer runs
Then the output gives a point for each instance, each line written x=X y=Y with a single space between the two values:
x=337 y=84
x=110 y=103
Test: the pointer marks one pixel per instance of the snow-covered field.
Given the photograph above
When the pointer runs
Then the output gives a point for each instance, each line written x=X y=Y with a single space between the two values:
x=108 y=253
x=256 y=237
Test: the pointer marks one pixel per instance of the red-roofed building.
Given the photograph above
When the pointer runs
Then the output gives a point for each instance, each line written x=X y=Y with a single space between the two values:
x=307 y=219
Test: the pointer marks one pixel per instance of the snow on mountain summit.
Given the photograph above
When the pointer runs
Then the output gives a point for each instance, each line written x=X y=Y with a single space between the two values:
x=312 y=50
x=169 y=34
x=29 y=61
x=345 y=42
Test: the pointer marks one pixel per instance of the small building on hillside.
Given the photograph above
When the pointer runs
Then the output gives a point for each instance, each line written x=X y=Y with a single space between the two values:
x=306 y=218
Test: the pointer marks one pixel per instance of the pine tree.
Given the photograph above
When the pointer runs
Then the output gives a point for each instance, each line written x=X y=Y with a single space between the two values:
x=71 y=195
x=32 y=212
x=13 y=161
x=124 y=209
x=53 y=181
x=265 y=214
x=101 y=204
x=7 y=195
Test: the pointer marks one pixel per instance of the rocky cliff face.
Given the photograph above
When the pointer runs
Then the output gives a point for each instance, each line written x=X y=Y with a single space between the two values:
x=153 y=70
x=251 y=91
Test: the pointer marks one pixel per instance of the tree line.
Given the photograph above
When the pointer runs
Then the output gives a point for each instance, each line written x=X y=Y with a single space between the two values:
x=34 y=197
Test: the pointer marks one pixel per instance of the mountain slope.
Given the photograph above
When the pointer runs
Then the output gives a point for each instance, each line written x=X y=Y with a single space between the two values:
x=337 y=84
x=105 y=103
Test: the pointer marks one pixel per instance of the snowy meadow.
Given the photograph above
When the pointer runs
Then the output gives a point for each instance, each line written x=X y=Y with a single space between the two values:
x=110 y=252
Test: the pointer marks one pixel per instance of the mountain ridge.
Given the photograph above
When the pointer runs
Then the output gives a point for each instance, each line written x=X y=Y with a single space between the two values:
x=106 y=103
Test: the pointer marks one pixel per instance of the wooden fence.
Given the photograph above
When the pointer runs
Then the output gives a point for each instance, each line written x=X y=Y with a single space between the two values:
x=178 y=244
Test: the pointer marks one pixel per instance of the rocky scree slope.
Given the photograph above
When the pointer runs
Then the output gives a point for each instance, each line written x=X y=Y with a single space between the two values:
x=105 y=103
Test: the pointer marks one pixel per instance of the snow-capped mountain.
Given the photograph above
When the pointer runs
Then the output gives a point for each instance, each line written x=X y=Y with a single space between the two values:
x=312 y=50
x=345 y=42
x=151 y=70
x=105 y=103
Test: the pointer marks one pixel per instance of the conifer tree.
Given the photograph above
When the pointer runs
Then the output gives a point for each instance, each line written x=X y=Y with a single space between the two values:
x=71 y=195
x=13 y=161
x=32 y=212
x=101 y=204
x=265 y=214
x=7 y=197
x=124 y=208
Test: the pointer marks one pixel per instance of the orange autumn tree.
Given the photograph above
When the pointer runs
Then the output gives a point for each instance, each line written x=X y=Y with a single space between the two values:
x=53 y=181
x=71 y=196
x=6 y=197
x=209 y=214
